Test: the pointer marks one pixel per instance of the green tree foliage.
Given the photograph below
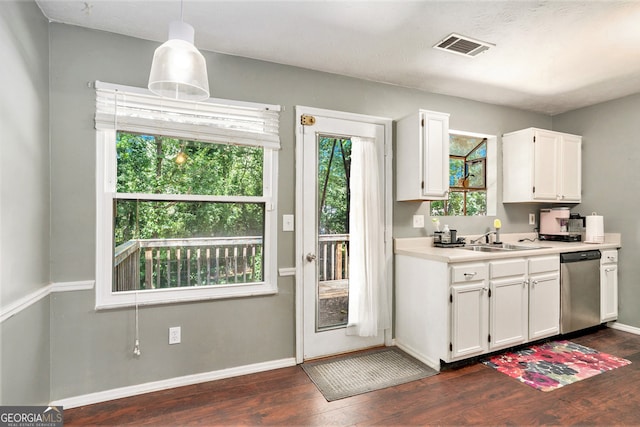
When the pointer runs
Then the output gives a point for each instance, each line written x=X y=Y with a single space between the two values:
x=148 y=164
x=334 y=163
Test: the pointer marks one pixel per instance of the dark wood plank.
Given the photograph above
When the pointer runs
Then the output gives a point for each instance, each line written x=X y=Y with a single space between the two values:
x=470 y=395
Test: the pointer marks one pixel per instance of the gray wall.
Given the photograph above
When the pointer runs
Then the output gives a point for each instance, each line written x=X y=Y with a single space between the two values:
x=91 y=351
x=611 y=183
x=24 y=201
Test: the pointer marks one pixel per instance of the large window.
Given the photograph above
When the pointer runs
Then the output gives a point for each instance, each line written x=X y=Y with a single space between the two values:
x=469 y=177
x=183 y=218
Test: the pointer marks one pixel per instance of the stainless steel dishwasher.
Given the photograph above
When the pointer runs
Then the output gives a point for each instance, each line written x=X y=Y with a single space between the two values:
x=579 y=290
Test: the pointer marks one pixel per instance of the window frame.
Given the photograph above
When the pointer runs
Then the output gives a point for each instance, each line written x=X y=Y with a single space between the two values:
x=491 y=174
x=106 y=181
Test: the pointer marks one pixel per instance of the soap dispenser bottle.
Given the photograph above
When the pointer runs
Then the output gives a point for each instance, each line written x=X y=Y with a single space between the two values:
x=446 y=234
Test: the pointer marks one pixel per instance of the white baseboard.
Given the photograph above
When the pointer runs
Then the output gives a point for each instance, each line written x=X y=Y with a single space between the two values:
x=434 y=364
x=134 y=390
x=623 y=327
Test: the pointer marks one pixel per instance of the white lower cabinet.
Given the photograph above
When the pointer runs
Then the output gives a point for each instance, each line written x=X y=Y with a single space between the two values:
x=508 y=303
x=453 y=312
x=469 y=310
x=544 y=296
x=609 y=285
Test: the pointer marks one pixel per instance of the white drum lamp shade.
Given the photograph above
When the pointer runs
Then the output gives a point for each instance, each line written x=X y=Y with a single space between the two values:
x=179 y=70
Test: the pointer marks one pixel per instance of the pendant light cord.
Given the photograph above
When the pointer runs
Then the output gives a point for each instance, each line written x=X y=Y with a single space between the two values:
x=136 y=347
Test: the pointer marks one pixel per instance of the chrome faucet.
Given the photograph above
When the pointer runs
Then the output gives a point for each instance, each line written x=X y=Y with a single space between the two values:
x=486 y=235
x=497 y=225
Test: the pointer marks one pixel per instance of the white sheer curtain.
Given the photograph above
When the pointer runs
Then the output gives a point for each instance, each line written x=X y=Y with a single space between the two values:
x=369 y=312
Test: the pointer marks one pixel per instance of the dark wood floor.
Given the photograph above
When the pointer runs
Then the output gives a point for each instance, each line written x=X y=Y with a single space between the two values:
x=472 y=395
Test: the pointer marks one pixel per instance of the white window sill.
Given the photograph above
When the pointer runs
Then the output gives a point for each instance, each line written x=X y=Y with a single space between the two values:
x=181 y=295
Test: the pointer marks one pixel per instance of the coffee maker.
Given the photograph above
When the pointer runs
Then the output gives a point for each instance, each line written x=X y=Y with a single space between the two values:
x=559 y=224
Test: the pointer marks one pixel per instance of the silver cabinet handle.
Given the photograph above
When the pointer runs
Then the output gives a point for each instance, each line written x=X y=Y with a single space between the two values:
x=609 y=270
x=469 y=275
x=311 y=257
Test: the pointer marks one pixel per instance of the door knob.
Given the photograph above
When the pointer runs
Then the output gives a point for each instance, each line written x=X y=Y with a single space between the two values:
x=311 y=257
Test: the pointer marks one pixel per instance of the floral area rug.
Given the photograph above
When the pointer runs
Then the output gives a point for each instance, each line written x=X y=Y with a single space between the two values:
x=554 y=364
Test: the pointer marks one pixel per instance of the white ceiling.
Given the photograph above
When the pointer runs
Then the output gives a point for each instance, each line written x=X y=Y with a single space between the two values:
x=549 y=56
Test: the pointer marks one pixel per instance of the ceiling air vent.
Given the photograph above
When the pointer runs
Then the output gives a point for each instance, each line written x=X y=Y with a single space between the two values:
x=462 y=45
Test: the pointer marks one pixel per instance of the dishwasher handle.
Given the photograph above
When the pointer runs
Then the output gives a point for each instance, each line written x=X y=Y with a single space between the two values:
x=580 y=256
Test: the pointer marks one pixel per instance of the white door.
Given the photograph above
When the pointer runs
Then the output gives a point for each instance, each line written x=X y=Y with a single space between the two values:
x=608 y=292
x=545 y=165
x=544 y=305
x=436 y=156
x=509 y=310
x=323 y=206
x=469 y=319
x=571 y=168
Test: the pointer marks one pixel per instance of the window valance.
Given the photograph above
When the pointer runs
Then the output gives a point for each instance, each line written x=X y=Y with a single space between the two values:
x=214 y=120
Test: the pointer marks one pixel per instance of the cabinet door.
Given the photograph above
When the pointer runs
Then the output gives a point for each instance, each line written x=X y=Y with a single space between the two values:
x=608 y=292
x=469 y=319
x=571 y=168
x=435 y=154
x=544 y=305
x=509 y=308
x=545 y=165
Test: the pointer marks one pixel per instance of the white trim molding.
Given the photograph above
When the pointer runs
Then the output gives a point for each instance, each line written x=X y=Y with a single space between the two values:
x=28 y=300
x=84 y=285
x=134 y=390
x=286 y=271
x=624 y=328
x=23 y=303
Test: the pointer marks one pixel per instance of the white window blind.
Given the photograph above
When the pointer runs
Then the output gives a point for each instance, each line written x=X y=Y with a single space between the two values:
x=214 y=120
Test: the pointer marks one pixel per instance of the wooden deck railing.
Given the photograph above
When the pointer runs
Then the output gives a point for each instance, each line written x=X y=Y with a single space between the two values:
x=165 y=263
x=333 y=257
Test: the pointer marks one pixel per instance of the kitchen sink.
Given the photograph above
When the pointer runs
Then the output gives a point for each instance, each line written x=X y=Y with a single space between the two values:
x=503 y=247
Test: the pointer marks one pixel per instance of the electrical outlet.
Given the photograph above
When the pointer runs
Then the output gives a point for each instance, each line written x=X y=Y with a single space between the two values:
x=175 y=335
x=418 y=221
x=532 y=219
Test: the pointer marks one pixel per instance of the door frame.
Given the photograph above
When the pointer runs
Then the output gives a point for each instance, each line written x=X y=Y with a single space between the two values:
x=299 y=220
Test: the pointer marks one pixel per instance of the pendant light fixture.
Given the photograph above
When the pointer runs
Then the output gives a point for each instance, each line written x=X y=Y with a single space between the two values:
x=179 y=70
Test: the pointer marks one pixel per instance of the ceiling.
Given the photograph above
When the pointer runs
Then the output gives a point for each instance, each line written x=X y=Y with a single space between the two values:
x=549 y=56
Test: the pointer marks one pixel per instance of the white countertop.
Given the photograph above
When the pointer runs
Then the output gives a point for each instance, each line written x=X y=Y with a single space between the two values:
x=422 y=247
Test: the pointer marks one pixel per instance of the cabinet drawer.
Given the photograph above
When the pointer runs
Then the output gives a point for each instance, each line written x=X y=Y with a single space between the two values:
x=507 y=268
x=544 y=264
x=468 y=273
x=609 y=256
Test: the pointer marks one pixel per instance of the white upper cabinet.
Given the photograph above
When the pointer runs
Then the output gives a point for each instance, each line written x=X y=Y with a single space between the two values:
x=422 y=156
x=541 y=166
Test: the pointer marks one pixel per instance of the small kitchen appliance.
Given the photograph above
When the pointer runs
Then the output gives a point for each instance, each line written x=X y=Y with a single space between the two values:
x=559 y=224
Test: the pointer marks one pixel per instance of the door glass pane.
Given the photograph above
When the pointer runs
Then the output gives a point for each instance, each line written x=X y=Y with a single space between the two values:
x=332 y=301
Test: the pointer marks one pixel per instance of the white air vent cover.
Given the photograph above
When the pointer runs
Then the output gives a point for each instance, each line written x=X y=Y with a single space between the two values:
x=462 y=45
